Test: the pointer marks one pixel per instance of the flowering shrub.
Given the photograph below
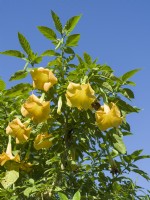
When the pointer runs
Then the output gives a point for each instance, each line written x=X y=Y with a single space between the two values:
x=63 y=133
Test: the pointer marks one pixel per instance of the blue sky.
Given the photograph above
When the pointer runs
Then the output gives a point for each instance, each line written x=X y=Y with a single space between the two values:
x=116 y=32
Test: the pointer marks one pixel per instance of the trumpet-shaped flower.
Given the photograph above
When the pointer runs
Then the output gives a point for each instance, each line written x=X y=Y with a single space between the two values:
x=43 y=79
x=80 y=96
x=18 y=130
x=42 y=141
x=6 y=156
x=108 y=116
x=38 y=110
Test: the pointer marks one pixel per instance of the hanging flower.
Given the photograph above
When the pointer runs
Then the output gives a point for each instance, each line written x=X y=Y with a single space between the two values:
x=18 y=130
x=4 y=157
x=80 y=96
x=108 y=116
x=42 y=141
x=43 y=79
x=38 y=110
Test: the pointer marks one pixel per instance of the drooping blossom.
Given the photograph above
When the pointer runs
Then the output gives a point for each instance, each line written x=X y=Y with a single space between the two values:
x=38 y=110
x=80 y=95
x=18 y=130
x=43 y=79
x=108 y=116
x=42 y=141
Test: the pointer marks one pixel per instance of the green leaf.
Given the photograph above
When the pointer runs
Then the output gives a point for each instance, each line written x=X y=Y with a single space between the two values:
x=129 y=74
x=19 y=89
x=50 y=53
x=36 y=59
x=125 y=126
x=53 y=62
x=25 y=44
x=130 y=83
x=107 y=86
x=62 y=196
x=80 y=60
x=48 y=32
x=68 y=50
x=128 y=93
x=105 y=68
x=136 y=153
x=57 y=22
x=71 y=57
x=125 y=106
x=18 y=75
x=2 y=85
x=87 y=58
x=72 y=40
x=71 y=24
x=10 y=178
x=141 y=157
x=77 y=196
x=119 y=144
x=13 y=53
x=29 y=191
x=141 y=173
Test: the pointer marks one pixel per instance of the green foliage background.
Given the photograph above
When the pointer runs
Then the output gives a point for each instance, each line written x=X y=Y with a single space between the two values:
x=84 y=162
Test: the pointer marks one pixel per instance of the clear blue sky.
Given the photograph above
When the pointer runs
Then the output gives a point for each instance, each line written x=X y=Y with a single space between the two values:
x=117 y=32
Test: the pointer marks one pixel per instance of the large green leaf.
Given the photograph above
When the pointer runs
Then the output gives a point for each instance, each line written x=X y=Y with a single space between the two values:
x=119 y=144
x=18 y=75
x=72 y=40
x=77 y=196
x=48 y=32
x=129 y=74
x=13 y=53
x=62 y=196
x=2 y=85
x=10 y=178
x=71 y=24
x=25 y=44
x=57 y=22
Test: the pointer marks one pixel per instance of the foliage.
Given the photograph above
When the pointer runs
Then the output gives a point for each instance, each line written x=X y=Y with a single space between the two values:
x=74 y=157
